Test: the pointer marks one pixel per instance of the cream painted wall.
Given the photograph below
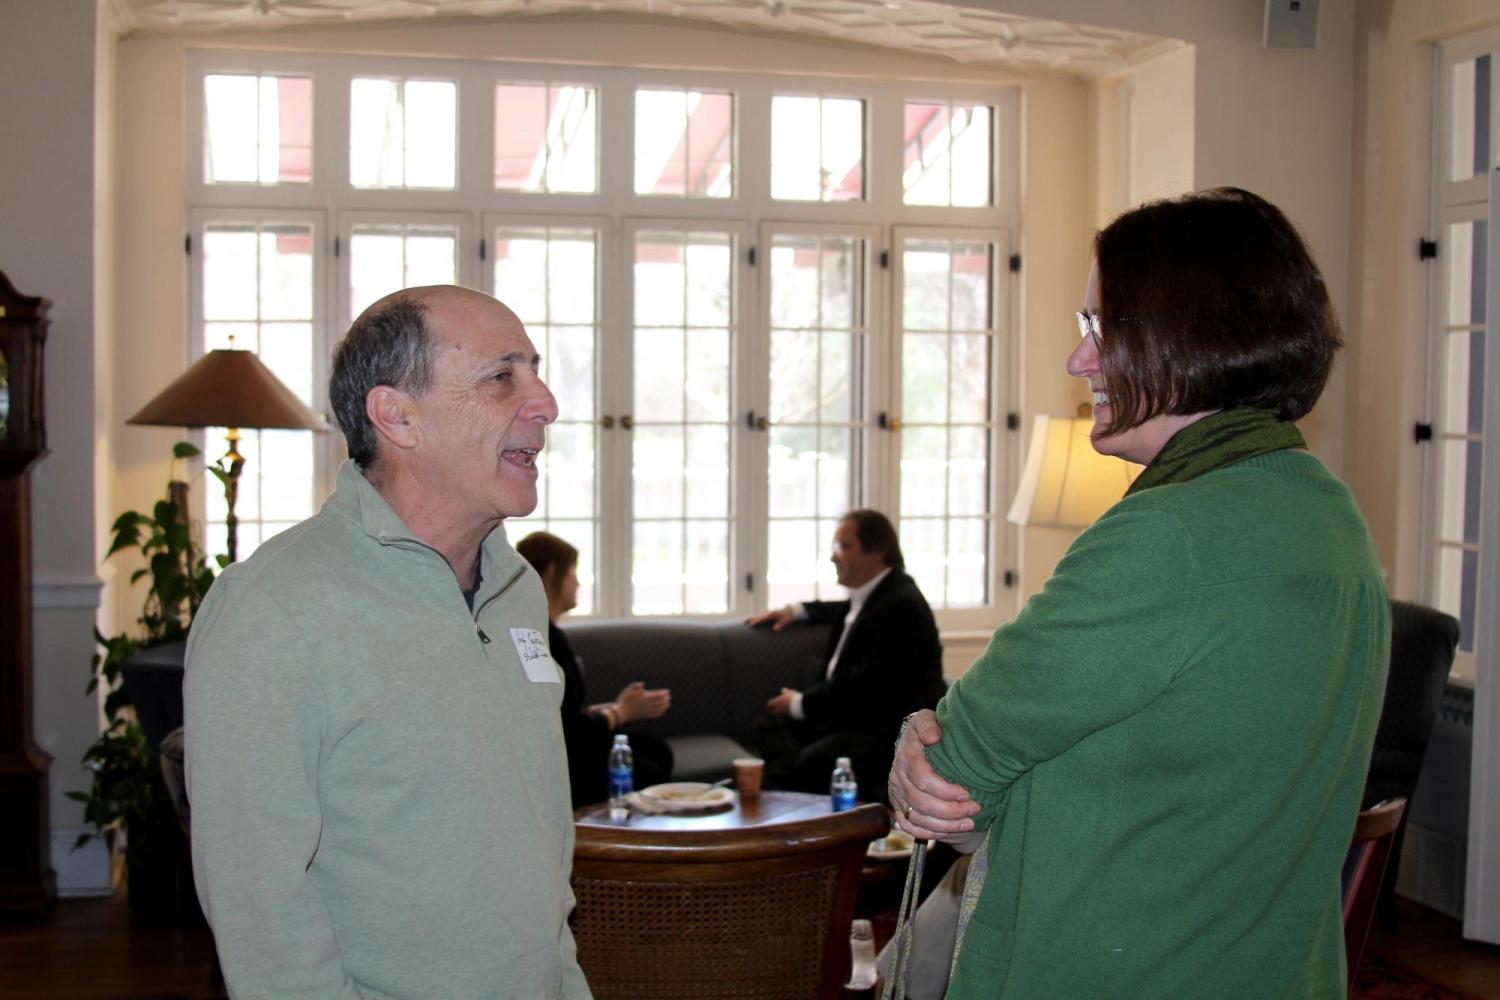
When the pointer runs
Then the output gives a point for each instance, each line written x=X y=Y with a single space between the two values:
x=1277 y=122
x=1162 y=127
x=48 y=174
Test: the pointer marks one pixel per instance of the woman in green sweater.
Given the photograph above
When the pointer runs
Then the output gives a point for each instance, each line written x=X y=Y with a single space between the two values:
x=1167 y=746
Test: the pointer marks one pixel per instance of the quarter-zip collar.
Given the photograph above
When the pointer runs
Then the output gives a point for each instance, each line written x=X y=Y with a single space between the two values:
x=356 y=497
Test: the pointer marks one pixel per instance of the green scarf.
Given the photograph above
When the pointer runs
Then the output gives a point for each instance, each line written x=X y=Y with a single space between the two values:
x=1217 y=440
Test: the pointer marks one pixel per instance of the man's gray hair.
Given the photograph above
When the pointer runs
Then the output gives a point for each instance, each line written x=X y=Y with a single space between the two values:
x=388 y=344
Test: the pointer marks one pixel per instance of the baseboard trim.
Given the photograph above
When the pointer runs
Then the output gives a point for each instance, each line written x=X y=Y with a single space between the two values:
x=84 y=872
x=78 y=592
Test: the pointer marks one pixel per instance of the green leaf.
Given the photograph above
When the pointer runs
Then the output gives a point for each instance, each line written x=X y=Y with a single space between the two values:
x=128 y=519
x=185 y=449
x=166 y=513
x=138 y=574
x=218 y=474
x=77 y=797
x=125 y=538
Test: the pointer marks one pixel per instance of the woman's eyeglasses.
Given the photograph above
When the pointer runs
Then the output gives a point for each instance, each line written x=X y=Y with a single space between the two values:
x=1088 y=326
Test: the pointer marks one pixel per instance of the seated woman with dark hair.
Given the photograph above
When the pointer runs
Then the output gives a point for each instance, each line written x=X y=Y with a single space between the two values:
x=1168 y=745
x=588 y=730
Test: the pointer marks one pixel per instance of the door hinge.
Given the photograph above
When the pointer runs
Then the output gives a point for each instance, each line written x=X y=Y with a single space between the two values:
x=885 y=260
x=338 y=247
x=1009 y=578
x=1012 y=421
x=750 y=255
x=1015 y=263
x=483 y=250
x=750 y=582
x=1422 y=432
x=1427 y=249
x=187 y=244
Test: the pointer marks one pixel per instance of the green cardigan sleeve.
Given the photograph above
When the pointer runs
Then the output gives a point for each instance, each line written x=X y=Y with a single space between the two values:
x=1101 y=641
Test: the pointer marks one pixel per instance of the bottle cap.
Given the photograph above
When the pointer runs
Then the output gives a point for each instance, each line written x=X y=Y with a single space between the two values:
x=622 y=738
x=841 y=762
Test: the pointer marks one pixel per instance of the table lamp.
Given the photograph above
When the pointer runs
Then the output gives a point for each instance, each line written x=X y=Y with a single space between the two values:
x=232 y=389
x=1066 y=483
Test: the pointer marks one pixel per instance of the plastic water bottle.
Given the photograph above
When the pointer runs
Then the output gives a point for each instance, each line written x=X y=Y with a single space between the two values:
x=843 y=787
x=621 y=778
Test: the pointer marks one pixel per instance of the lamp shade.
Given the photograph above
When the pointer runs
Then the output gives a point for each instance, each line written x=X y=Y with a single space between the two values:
x=228 y=388
x=1066 y=483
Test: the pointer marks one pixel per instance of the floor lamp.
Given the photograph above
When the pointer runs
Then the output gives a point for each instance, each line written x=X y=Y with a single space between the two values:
x=1066 y=483
x=235 y=390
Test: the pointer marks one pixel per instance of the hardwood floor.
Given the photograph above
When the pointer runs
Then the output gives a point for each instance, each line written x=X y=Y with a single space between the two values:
x=92 y=949
x=1432 y=946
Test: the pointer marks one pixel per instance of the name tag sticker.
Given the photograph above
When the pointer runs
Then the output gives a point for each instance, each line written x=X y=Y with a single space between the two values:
x=531 y=647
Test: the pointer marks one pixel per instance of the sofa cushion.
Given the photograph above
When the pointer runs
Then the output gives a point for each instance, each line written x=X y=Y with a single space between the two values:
x=687 y=657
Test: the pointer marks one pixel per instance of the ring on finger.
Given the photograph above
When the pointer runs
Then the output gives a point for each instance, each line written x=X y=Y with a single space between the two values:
x=907 y=811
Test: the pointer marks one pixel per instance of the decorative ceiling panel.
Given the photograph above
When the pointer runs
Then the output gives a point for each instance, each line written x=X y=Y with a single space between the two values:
x=965 y=35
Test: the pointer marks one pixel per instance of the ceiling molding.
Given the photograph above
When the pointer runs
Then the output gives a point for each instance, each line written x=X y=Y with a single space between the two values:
x=948 y=31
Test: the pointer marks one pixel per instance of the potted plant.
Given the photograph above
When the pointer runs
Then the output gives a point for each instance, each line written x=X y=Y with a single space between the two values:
x=126 y=796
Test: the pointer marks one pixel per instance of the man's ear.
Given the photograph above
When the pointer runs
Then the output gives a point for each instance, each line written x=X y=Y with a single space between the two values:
x=394 y=416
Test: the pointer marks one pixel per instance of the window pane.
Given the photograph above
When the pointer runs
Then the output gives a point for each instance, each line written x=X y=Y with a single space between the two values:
x=431 y=133
x=924 y=378
x=684 y=143
x=1470 y=150
x=1467 y=254
x=925 y=291
x=402 y=133
x=830 y=169
x=1463 y=382
x=706 y=569
x=278 y=149
x=1455 y=589
x=658 y=471
x=659 y=374
x=231 y=261
x=946 y=155
x=660 y=280
x=924 y=544
x=656 y=570
x=794 y=553
x=387 y=258
x=545 y=138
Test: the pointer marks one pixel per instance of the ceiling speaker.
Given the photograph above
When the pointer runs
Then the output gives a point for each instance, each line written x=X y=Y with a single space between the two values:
x=1291 y=24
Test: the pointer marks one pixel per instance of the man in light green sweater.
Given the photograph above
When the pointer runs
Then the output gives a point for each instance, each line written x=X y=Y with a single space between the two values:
x=379 y=789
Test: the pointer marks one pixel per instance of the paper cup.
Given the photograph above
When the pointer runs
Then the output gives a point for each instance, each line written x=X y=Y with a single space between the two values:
x=747 y=771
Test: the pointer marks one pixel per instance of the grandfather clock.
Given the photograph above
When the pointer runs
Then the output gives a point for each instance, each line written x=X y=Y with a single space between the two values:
x=27 y=883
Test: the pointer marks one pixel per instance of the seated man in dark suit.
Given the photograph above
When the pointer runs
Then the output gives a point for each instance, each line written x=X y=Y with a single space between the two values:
x=883 y=662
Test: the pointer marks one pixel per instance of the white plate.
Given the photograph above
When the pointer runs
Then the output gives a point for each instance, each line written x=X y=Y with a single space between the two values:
x=686 y=796
x=893 y=847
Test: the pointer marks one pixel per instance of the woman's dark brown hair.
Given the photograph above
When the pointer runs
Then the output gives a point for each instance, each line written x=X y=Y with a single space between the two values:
x=549 y=555
x=1210 y=302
